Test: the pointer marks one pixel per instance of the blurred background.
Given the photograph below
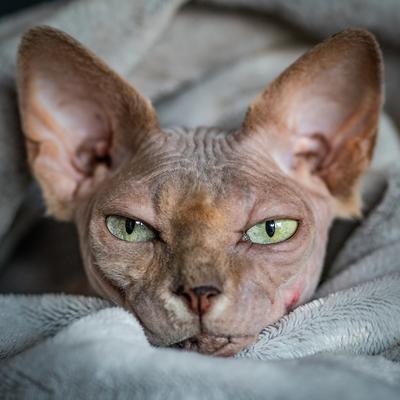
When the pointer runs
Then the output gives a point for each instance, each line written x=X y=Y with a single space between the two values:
x=8 y=7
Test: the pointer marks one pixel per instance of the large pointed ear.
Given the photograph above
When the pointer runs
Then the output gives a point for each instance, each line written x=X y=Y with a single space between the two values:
x=320 y=115
x=80 y=119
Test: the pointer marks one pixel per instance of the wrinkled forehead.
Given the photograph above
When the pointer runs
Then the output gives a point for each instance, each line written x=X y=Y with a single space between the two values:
x=218 y=162
x=202 y=174
x=205 y=165
x=215 y=156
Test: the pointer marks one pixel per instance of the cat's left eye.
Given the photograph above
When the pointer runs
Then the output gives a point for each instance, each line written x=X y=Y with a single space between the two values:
x=128 y=229
x=272 y=231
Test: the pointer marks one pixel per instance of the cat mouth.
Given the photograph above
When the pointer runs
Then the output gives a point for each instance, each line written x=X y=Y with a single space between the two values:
x=220 y=346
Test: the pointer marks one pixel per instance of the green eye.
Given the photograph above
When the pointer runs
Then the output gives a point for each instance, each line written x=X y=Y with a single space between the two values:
x=272 y=231
x=128 y=229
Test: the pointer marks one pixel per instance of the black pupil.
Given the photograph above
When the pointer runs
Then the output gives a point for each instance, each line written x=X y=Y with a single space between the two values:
x=129 y=225
x=270 y=228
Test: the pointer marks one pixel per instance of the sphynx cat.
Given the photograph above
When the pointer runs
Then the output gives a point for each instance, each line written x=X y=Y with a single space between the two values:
x=205 y=235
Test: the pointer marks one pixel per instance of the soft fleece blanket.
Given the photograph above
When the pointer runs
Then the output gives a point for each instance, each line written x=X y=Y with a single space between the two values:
x=343 y=344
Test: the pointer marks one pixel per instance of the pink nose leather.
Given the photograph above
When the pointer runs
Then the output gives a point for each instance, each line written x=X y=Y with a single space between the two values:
x=199 y=298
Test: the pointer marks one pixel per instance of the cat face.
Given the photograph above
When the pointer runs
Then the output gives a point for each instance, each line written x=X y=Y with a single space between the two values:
x=207 y=236
x=199 y=192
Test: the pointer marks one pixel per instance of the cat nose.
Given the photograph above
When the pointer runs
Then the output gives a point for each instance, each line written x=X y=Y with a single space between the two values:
x=199 y=298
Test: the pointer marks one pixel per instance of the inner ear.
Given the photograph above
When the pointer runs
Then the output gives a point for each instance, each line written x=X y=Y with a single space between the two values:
x=80 y=124
x=321 y=114
x=81 y=120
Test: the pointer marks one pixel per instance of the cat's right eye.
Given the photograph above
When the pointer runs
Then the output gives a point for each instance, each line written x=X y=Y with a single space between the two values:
x=128 y=229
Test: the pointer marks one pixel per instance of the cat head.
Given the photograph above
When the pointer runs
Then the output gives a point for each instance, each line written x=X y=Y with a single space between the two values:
x=205 y=235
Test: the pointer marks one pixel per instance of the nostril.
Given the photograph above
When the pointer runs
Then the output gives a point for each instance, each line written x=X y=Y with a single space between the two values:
x=183 y=293
x=207 y=291
x=198 y=298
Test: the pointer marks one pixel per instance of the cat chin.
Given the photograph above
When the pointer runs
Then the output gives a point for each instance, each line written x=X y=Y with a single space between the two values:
x=220 y=346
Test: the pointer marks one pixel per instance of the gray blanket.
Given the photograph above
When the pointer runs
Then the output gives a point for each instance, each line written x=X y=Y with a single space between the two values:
x=343 y=344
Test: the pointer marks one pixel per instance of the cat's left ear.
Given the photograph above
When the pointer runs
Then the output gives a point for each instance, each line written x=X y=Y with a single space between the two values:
x=81 y=120
x=321 y=114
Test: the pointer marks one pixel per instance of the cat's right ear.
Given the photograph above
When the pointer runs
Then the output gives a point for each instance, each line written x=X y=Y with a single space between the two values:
x=80 y=119
x=319 y=118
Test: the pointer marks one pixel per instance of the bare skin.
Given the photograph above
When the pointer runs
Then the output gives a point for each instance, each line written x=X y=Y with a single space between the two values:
x=96 y=148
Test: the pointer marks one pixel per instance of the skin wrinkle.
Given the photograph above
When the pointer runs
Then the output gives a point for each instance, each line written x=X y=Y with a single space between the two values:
x=201 y=189
x=269 y=295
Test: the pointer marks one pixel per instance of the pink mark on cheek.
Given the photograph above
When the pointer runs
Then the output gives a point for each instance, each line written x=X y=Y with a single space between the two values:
x=293 y=301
